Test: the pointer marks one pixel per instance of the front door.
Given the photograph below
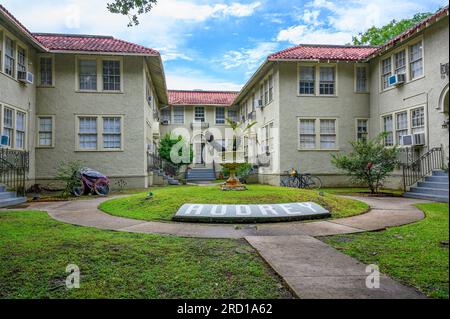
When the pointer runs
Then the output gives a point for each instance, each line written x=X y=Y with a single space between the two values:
x=199 y=154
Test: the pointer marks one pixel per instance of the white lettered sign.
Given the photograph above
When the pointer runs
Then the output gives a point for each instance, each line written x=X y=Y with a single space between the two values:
x=250 y=213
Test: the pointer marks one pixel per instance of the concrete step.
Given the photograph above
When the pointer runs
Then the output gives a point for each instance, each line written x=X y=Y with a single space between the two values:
x=5 y=195
x=437 y=179
x=432 y=191
x=433 y=185
x=431 y=197
x=440 y=173
x=172 y=181
x=8 y=202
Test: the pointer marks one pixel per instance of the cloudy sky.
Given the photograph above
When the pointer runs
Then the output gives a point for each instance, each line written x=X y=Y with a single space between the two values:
x=218 y=44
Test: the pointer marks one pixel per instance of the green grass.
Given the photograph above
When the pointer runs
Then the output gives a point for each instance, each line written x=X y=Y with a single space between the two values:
x=168 y=200
x=358 y=190
x=35 y=251
x=412 y=254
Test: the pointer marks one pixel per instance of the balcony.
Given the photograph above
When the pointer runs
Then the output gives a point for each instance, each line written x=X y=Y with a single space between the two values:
x=199 y=125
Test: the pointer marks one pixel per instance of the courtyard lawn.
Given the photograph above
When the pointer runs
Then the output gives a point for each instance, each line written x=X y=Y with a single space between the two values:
x=415 y=254
x=35 y=251
x=359 y=191
x=168 y=200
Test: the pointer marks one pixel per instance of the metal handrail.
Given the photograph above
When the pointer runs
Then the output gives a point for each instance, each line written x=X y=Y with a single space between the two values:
x=423 y=166
x=14 y=166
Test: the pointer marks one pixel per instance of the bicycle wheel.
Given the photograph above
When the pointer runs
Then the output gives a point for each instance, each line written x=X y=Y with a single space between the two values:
x=78 y=188
x=312 y=182
x=294 y=182
x=101 y=188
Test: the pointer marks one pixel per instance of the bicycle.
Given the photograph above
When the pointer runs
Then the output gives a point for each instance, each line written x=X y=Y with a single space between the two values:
x=295 y=180
x=88 y=181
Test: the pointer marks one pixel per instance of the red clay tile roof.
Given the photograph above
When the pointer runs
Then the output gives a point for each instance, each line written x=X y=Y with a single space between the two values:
x=90 y=43
x=224 y=98
x=323 y=52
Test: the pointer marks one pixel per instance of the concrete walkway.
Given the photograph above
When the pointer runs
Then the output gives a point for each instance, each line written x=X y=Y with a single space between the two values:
x=311 y=268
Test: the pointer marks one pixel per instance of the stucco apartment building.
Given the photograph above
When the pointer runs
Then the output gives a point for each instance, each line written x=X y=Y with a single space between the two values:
x=104 y=101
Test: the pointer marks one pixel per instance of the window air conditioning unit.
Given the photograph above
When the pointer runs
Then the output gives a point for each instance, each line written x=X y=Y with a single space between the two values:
x=397 y=79
x=4 y=140
x=25 y=77
x=417 y=139
x=165 y=122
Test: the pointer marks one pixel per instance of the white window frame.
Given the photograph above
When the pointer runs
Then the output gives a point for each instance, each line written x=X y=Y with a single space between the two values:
x=100 y=86
x=100 y=133
x=16 y=43
x=182 y=108
x=406 y=47
x=39 y=82
x=382 y=117
x=367 y=88
x=317 y=133
x=356 y=127
x=410 y=127
x=38 y=130
x=13 y=128
x=267 y=141
x=224 y=115
x=195 y=114
x=317 y=67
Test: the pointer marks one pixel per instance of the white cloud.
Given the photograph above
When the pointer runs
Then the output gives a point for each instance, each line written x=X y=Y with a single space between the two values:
x=250 y=58
x=189 y=79
x=301 y=34
x=236 y=9
x=345 y=19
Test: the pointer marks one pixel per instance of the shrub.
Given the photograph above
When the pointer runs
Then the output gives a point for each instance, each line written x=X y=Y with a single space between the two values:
x=369 y=163
x=166 y=146
x=66 y=172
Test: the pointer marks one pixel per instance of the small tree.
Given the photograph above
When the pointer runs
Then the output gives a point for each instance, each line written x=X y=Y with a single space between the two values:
x=66 y=173
x=168 y=143
x=369 y=163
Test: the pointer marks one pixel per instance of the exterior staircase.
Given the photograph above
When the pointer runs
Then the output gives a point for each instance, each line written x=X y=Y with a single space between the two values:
x=433 y=187
x=170 y=180
x=201 y=175
x=8 y=199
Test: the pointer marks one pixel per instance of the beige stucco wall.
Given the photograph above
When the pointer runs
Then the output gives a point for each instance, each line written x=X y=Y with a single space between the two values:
x=20 y=96
x=64 y=102
x=346 y=107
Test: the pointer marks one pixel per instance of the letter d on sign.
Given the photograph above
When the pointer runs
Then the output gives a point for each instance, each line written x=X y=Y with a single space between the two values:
x=373 y=279
x=73 y=280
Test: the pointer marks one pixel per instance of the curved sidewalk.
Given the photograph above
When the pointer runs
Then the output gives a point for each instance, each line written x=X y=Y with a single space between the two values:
x=385 y=212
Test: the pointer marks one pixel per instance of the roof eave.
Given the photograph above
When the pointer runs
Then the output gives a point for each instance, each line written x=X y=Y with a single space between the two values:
x=102 y=53
x=158 y=77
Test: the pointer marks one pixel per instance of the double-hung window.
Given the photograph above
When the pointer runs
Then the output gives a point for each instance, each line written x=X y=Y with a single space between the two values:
x=112 y=133
x=45 y=134
x=199 y=114
x=416 y=60
x=361 y=79
x=220 y=115
x=328 y=134
x=270 y=88
x=418 y=120
x=401 y=127
x=327 y=80
x=46 y=71
x=166 y=115
x=388 y=126
x=386 y=72
x=362 y=129
x=307 y=133
x=307 y=80
x=178 y=115
x=8 y=124
x=266 y=92
x=400 y=62
x=87 y=133
x=20 y=130
x=10 y=53
x=21 y=60
x=88 y=75
x=111 y=75
x=232 y=115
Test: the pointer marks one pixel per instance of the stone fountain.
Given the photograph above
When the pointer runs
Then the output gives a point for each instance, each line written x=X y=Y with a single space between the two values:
x=232 y=161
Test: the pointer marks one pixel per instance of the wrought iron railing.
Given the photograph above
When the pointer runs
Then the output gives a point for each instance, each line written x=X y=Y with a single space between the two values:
x=423 y=166
x=156 y=163
x=14 y=166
